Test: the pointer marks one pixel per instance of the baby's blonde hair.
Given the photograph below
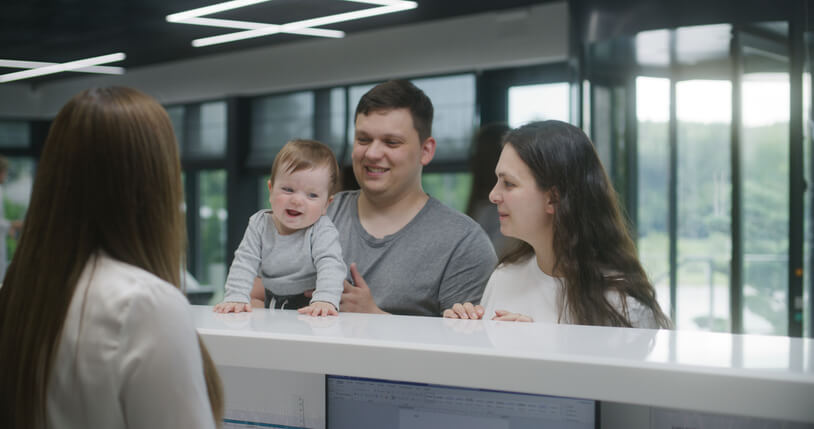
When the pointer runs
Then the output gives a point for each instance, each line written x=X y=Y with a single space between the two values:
x=304 y=154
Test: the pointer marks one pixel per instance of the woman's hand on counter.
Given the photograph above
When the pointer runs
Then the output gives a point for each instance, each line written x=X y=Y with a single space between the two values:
x=508 y=316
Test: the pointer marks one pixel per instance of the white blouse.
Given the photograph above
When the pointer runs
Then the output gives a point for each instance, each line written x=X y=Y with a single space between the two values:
x=524 y=288
x=128 y=356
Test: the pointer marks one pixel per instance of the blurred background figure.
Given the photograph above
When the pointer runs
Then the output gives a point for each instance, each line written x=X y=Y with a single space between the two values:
x=7 y=227
x=486 y=149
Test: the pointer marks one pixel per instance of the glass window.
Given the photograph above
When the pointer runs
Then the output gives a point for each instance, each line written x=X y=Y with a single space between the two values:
x=653 y=116
x=808 y=245
x=453 y=99
x=704 y=110
x=212 y=216
x=16 y=195
x=15 y=134
x=207 y=130
x=529 y=103
x=263 y=192
x=355 y=94
x=276 y=120
x=451 y=189
x=330 y=106
x=765 y=166
x=176 y=114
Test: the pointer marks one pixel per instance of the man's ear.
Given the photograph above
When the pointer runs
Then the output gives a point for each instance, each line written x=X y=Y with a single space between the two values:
x=427 y=150
x=553 y=200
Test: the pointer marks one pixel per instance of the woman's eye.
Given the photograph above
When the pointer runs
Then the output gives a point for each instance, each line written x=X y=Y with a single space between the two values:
x=508 y=184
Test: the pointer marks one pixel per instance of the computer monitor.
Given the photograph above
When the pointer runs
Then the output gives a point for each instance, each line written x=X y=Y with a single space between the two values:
x=354 y=402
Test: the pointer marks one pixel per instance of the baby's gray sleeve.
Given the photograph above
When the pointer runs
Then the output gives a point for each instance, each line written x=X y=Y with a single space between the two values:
x=331 y=268
x=247 y=260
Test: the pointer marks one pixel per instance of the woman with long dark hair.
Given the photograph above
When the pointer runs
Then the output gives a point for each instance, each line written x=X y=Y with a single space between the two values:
x=577 y=262
x=94 y=331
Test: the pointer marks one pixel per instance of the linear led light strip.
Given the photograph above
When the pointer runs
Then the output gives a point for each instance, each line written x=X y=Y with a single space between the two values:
x=257 y=29
x=52 y=68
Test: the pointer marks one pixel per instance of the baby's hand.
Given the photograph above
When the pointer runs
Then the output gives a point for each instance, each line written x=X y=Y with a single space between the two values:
x=319 y=308
x=232 y=307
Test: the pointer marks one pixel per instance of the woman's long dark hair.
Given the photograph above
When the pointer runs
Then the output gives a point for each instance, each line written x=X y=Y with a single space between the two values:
x=593 y=249
x=109 y=179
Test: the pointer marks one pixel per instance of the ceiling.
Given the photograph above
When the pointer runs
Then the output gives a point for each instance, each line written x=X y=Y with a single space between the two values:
x=65 y=30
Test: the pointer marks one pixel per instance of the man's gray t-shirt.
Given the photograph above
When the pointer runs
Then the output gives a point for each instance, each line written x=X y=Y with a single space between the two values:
x=439 y=258
x=288 y=264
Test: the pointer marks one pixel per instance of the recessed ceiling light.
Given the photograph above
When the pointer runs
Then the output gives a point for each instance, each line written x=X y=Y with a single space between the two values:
x=61 y=67
x=258 y=29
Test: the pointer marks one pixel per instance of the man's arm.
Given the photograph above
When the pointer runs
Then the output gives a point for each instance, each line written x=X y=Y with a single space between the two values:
x=468 y=270
x=357 y=298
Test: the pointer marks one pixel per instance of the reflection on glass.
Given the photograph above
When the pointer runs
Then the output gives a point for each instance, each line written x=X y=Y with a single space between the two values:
x=765 y=166
x=16 y=195
x=451 y=189
x=704 y=203
x=653 y=115
x=538 y=102
x=276 y=120
x=212 y=217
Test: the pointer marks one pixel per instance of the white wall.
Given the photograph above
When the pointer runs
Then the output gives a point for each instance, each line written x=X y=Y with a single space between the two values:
x=524 y=36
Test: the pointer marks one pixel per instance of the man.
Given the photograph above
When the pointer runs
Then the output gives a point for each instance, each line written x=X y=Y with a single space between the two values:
x=408 y=253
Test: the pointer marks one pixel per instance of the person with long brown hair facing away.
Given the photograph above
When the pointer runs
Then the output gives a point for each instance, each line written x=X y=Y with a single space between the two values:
x=576 y=263
x=94 y=331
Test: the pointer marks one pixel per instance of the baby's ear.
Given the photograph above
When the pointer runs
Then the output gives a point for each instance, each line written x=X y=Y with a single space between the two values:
x=325 y=210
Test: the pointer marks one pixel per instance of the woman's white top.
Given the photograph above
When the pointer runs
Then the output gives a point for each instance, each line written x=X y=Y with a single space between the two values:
x=524 y=288
x=128 y=356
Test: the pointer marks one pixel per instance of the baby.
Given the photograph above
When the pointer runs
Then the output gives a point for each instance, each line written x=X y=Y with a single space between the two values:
x=293 y=247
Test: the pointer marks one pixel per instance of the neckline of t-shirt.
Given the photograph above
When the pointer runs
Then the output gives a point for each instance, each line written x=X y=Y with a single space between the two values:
x=296 y=234
x=378 y=242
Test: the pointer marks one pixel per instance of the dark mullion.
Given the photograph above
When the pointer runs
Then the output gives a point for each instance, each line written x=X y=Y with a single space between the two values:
x=796 y=179
x=736 y=265
x=673 y=182
x=632 y=158
x=193 y=225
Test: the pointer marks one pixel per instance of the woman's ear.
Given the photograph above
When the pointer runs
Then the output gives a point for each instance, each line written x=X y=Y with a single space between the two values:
x=553 y=199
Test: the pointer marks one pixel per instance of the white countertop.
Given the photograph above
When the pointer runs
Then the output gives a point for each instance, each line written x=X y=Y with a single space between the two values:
x=747 y=375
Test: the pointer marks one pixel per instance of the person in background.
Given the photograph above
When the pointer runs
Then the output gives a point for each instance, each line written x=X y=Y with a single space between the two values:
x=7 y=227
x=94 y=331
x=576 y=262
x=485 y=152
x=293 y=247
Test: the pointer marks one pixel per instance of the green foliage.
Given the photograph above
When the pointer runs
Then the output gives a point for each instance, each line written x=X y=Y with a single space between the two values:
x=451 y=189
x=704 y=211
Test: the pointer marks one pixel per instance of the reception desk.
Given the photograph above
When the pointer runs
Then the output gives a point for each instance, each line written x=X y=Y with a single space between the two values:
x=734 y=375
